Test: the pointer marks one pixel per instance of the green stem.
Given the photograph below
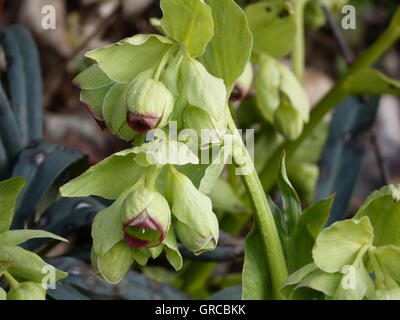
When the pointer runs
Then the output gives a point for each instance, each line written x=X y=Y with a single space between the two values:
x=263 y=216
x=379 y=274
x=298 y=54
x=162 y=63
x=330 y=101
x=11 y=280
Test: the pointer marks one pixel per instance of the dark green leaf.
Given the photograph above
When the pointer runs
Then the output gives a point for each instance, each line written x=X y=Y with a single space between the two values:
x=41 y=165
x=17 y=82
x=310 y=223
x=344 y=151
x=32 y=72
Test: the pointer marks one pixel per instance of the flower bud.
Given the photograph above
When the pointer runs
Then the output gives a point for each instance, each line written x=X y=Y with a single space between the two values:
x=288 y=121
x=27 y=291
x=209 y=131
x=149 y=105
x=115 y=263
x=146 y=218
x=196 y=224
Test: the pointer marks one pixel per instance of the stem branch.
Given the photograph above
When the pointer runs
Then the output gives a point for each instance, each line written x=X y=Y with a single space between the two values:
x=298 y=54
x=263 y=216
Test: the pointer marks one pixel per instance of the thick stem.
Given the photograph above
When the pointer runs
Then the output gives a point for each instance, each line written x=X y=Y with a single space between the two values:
x=263 y=216
x=330 y=101
x=298 y=54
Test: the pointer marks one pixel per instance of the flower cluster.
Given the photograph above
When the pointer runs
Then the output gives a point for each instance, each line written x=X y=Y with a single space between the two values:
x=135 y=88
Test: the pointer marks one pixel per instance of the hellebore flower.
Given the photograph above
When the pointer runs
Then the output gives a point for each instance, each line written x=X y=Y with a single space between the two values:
x=210 y=131
x=280 y=98
x=146 y=218
x=196 y=224
x=288 y=120
x=149 y=105
x=114 y=264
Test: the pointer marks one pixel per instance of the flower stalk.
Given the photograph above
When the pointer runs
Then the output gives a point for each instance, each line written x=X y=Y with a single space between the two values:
x=263 y=216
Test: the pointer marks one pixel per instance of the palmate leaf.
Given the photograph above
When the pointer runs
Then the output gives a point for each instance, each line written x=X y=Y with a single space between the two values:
x=340 y=244
x=310 y=283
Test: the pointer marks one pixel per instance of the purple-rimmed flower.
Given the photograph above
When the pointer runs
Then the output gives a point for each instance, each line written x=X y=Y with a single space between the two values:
x=142 y=123
x=149 y=105
x=242 y=85
x=146 y=218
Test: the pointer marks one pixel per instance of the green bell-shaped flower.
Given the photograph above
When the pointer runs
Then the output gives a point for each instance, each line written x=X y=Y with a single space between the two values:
x=197 y=224
x=149 y=105
x=114 y=264
x=27 y=291
x=209 y=131
x=280 y=98
x=288 y=120
x=146 y=217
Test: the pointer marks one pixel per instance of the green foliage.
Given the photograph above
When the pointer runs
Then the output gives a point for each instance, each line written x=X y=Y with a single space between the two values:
x=23 y=269
x=280 y=98
x=345 y=253
x=228 y=52
x=273 y=26
x=189 y=22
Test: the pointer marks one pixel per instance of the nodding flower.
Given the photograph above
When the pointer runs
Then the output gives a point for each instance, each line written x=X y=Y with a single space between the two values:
x=146 y=218
x=149 y=105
